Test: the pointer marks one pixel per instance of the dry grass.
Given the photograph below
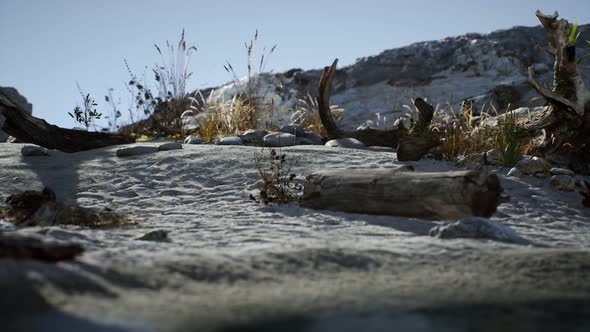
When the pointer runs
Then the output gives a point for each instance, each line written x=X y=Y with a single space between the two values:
x=307 y=114
x=277 y=180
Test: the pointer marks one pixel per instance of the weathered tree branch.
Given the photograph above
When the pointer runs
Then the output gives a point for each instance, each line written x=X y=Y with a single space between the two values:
x=369 y=136
x=552 y=96
x=414 y=144
x=323 y=99
x=27 y=128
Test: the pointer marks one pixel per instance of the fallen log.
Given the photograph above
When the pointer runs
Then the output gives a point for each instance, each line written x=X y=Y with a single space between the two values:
x=401 y=192
x=18 y=123
x=28 y=247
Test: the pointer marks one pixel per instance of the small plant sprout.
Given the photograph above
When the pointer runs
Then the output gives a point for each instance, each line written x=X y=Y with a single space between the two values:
x=277 y=180
x=87 y=113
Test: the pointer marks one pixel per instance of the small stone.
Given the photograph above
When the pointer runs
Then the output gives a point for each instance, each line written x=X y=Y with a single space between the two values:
x=303 y=141
x=477 y=228
x=192 y=139
x=541 y=175
x=494 y=157
x=349 y=143
x=563 y=182
x=170 y=146
x=473 y=165
x=380 y=149
x=156 y=236
x=561 y=171
x=136 y=151
x=230 y=140
x=532 y=165
x=253 y=137
x=34 y=151
x=280 y=139
x=293 y=129
x=315 y=138
x=515 y=172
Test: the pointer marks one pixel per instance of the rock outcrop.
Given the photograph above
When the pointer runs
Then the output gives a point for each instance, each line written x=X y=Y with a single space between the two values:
x=18 y=99
x=477 y=68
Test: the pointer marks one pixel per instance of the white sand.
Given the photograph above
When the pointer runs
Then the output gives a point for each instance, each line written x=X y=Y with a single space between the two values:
x=231 y=260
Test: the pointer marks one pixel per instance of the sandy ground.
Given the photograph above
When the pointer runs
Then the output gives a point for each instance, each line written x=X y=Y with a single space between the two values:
x=235 y=265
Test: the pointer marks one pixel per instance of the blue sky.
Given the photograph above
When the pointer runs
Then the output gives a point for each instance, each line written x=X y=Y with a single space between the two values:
x=46 y=46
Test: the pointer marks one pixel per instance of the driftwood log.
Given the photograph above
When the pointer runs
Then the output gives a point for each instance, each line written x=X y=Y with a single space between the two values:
x=18 y=123
x=401 y=192
x=565 y=126
x=27 y=247
x=369 y=136
x=411 y=144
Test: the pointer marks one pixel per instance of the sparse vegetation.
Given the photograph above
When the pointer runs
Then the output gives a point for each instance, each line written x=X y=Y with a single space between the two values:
x=87 y=113
x=278 y=182
x=508 y=140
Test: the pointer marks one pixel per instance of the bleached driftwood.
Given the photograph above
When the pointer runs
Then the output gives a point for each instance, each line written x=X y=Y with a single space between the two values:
x=401 y=192
x=369 y=136
x=411 y=144
x=18 y=123
x=565 y=126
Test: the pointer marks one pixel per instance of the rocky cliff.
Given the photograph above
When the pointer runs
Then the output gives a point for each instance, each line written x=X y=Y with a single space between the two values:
x=481 y=68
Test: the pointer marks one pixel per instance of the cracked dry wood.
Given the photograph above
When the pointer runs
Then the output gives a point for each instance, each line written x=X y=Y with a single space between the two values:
x=401 y=192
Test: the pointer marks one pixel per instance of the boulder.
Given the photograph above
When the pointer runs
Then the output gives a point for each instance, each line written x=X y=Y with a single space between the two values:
x=280 y=139
x=349 y=143
x=563 y=182
x=477 y=228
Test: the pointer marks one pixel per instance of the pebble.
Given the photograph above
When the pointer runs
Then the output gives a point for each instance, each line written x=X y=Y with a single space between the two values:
x=170 y=146
x=34 y=151
x=349 y=143
x=136 y=151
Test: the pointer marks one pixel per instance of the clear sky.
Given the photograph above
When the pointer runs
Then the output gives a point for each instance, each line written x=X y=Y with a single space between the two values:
x=48 y=45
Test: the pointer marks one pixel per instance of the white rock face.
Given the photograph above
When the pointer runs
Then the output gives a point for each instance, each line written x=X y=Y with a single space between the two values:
x=477 y=228
x=280 y=139
x=563 y=182
x=349 y=143
x=376 y=90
